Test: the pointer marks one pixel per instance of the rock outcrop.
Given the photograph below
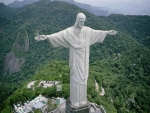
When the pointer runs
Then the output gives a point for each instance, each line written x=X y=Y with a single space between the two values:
x=12 y=64
x=15 y=59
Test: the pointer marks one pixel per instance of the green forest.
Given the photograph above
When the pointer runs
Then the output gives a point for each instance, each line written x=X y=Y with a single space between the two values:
x=121 y=64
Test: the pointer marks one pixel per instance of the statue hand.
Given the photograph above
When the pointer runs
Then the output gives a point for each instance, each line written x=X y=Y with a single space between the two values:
x=40 y=37
x=112 y=32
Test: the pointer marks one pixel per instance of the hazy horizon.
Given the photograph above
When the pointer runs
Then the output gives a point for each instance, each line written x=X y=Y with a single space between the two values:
x=124 y=6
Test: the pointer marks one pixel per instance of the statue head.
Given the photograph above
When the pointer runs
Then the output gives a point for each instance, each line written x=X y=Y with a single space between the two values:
x=80 y=20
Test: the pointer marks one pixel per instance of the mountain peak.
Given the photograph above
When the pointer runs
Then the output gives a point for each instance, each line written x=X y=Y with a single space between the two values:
x=2 y=5
x=17 y=3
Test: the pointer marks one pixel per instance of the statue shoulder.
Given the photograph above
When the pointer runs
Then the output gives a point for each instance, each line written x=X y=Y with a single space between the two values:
x=65 y=30
x=69 y=28
x=86 y=28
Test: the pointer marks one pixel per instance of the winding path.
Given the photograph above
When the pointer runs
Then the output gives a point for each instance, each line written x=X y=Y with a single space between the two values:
x=31 y=84
x=97 y=89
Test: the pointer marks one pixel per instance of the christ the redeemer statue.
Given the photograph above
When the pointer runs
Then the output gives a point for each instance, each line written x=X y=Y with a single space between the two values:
x=78 y=39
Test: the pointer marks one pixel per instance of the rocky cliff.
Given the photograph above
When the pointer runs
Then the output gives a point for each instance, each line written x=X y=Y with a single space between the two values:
x=15 y=59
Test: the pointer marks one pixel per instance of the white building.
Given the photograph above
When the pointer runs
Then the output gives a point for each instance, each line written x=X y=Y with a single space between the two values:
x=37 y=103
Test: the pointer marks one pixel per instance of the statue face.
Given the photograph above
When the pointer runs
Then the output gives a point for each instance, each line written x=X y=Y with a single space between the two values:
x=81 y=23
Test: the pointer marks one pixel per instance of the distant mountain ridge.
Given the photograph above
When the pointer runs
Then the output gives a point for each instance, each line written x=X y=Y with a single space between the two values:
x=94 y=10
x=21 y=3
x=7 y=12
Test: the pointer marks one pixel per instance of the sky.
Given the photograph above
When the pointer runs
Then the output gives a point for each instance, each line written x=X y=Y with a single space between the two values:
x=122 y=5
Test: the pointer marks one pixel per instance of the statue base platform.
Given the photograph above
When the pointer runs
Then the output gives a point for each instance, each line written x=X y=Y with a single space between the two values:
x=81 y=109
x=66 y=107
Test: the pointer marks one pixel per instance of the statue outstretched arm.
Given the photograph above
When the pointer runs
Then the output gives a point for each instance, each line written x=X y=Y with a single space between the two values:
x=99 y=35
x=111 y=32
x=56 y=39
x=40 y=37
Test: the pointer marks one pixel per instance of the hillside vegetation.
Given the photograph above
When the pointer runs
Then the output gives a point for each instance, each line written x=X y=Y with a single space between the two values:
x=121 y=64
x=135 y=26
x=7 y=12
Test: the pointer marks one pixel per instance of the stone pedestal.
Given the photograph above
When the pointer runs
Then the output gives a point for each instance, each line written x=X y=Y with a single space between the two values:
x=66 y=107
x=82 y=109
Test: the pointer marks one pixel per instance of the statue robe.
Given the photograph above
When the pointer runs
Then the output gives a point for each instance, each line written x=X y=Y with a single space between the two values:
x=78 y=45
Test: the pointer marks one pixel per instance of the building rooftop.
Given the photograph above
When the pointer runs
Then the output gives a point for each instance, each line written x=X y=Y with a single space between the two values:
x=38 y=105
